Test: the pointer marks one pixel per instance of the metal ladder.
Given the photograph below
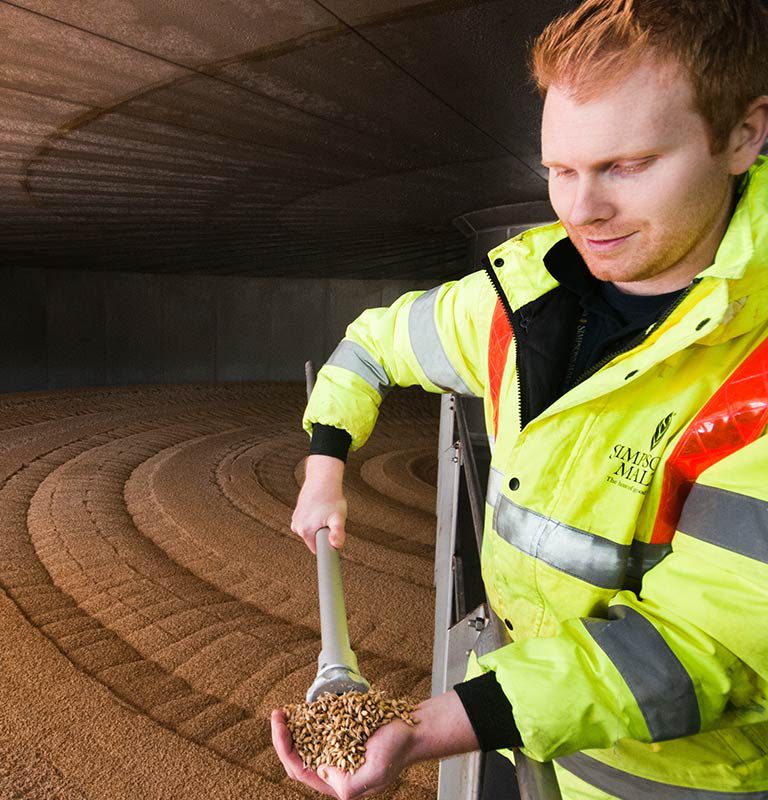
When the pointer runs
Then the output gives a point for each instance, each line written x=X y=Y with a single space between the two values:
x=462 y=614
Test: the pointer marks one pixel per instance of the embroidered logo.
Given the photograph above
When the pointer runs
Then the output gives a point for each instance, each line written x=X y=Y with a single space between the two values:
x=661 y=429
x=633 y=468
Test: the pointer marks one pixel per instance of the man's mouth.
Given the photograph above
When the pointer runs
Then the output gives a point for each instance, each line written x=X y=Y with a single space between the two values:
x=604 y=245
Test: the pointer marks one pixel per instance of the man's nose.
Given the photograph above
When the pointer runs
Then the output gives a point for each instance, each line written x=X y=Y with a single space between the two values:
x=591 y=203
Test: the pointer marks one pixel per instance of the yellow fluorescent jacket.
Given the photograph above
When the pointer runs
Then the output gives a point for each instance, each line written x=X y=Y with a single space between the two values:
x=659 y=692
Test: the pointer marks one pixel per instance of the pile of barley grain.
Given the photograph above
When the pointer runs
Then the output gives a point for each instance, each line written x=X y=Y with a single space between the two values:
x=333 y=729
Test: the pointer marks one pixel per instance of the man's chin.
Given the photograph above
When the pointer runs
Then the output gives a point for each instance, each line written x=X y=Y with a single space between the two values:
x=615 y=271
x=605 y=267
x=614 y=268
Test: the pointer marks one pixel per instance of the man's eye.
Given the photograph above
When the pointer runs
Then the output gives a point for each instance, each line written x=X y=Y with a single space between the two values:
x=628 y=167
x=562 y=173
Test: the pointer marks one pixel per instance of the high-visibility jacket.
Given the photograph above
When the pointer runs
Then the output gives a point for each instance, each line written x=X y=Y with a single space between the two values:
x=626 y=533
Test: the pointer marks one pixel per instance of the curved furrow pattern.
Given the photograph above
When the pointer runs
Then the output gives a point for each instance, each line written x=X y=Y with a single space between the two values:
x=399 y=475
x=369 y=568
x=145 y=535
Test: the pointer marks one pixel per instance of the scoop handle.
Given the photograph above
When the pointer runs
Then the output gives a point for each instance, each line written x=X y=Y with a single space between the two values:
x=336 y=649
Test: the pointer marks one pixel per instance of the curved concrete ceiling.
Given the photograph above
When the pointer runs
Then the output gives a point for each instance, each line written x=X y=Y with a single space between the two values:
x=262 y=137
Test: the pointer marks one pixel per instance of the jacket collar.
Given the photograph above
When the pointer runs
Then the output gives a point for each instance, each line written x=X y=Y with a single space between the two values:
x=741 y=261
x=743 y=252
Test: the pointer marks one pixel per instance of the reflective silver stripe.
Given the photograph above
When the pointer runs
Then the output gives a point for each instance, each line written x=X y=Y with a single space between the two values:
x=354 y=357
x=427 y=347
x=727 y=519
x=631 y=787
x=495 y=480
x=644 y=556
x=662 y=688
x=591 y=558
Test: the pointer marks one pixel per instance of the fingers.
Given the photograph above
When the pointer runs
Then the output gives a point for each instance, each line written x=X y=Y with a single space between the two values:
x=340 y=782
x=327 y=780
x=310 y=539
x=283 y=744
x=346 y=786
x=337 y=535
x=309 y=778
x=320 y=508
x=289 y=758
x=335 y=523
x=308 y=534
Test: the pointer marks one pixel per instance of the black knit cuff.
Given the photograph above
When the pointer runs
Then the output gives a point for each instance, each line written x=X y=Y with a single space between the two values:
x=489 y=712
x=329 y=441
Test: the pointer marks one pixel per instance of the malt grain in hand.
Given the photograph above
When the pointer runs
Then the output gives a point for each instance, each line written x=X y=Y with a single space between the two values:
x=333 y=729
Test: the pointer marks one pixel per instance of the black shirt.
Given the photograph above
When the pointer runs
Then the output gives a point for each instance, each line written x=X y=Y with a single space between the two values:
x=610 y=321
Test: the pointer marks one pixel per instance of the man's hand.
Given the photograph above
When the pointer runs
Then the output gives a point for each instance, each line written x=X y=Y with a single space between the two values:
x=385 y=758
x=443 y=730
x=321 y=502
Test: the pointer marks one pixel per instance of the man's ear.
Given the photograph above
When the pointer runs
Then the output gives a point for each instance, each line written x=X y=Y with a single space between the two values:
x=748 y=137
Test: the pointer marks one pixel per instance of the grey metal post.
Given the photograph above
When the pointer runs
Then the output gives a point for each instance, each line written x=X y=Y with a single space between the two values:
x=448 y=470
x=459 y=776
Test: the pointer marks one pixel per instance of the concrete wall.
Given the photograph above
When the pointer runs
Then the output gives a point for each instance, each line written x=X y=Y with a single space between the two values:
x=70 y=328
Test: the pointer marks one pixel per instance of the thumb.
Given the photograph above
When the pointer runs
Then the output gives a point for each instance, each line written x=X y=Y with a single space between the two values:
x=337 y=535
x=335 y=778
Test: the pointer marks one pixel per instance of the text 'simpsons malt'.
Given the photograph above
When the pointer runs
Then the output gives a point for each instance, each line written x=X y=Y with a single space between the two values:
x=333 y=729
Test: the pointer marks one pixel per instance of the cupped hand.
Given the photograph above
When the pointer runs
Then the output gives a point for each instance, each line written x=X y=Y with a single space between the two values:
x=290 y=759
x=386 y=755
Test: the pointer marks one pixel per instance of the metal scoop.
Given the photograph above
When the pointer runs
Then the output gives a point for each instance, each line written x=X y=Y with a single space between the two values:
x=337 y=669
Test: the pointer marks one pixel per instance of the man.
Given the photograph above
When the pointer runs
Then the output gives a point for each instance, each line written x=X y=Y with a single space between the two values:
x=626 y=536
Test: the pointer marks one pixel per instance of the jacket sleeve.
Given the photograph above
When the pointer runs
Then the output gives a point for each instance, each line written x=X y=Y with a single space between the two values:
x=435 y=339
x=688 y=655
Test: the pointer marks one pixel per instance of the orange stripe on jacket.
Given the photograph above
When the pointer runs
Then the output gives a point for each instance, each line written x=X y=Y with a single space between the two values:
x=498 y=349
x=734 y=416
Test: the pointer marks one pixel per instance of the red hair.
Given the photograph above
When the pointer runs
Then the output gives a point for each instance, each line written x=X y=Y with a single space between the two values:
x=721 y=44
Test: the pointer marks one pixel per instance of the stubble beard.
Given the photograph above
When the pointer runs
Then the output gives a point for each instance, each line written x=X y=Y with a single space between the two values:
x=641 y=261
x=621 y=267
x=654 y=250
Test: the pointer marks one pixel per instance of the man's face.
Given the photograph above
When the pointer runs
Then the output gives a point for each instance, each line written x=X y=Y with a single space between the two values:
x=634 y=182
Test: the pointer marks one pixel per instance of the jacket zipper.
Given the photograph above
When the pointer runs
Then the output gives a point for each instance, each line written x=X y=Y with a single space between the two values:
x=581 y=329
x=641 y=337
x=494 y=278
x=579 y=337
